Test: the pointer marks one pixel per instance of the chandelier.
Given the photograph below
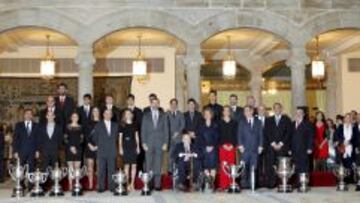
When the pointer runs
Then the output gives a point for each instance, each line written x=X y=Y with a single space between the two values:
x=139 y=66
x=229 y=64
x=47 y=64
x=317 y=65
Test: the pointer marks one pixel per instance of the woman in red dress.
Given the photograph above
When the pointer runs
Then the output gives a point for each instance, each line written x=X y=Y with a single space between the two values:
x=321 y=147
x=227 y=146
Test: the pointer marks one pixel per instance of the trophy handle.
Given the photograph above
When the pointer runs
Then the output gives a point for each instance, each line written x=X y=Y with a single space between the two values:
x=30 y=177
x=44 y=177
x=11 y=169
x=64 y=171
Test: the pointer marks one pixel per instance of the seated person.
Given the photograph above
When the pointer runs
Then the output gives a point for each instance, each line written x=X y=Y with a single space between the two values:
x=182 y=157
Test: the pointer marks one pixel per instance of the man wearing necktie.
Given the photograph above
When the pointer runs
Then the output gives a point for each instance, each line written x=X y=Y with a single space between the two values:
x=250 y=142
x=301 y=142
x=262 y=116
x=192 y=118
x=26 y=141
x=65 y=104
x=237 y=112
x=277 y=136
x=109 y=105
x=105 y=137
x=84 y=113
x=155 y=138
x=50 y=107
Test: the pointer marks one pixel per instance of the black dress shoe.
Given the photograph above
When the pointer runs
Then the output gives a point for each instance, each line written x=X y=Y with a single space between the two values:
x=158 y=189
x=100 y=190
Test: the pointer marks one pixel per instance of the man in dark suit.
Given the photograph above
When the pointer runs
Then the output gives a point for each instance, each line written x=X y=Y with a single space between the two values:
x=64 y=103
x=155 y=137
x=25 y=140
x=262 y=116
x=214 y=106
x=250 y=142
x=193 y=118
x=277 y=136
x=84 y=113
x=148 y=108
x=51 y=107
x=251 y=101
x=237 y=112
x=301 y=142
x=109 y=105
x=105 y=137
x=50 y=138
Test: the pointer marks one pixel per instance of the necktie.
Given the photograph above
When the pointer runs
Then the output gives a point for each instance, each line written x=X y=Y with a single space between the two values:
x=62 y=101
x=277 y=119
x=108 y=125
x=191 y=116
x=28 y=128
x=87 y=111
x=155 y=118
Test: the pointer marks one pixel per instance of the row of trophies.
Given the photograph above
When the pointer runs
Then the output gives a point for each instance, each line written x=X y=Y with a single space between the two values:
x=284 y=170
x=19 y=173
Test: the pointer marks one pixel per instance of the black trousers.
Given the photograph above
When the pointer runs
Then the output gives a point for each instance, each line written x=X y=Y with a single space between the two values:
x=49 y=160
x=28 y=159
x=106 y=167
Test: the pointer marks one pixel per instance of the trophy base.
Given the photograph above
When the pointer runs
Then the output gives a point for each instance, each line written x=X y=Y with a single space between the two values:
x=303 y=190
x=145 y=193
x=285 y=189
x=55 y=194
x=123 y=193
x=233 y=190
x=342 y=188
x=37 y=194
x=77 y=193
x=18 y=193
x=357 y=188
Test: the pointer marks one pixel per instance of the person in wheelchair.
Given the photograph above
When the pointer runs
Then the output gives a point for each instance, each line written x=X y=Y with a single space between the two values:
x=187 y=163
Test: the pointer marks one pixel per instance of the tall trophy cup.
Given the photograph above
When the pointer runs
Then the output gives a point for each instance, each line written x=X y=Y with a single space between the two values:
x=57 y=174
x=233 y=171
x=341 y=172
x=303 y=181
x=120 y=179
x=18 y=173
x=191 y=156
x=146 y=178
x=77 y=174
x=37 y=178
x=284 y=170
x=357 y=172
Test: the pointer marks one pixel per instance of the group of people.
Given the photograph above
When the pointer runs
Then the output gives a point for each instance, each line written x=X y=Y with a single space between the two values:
x=219 y=135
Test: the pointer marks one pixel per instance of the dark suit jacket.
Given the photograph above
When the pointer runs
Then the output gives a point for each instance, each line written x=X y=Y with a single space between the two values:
x=47 y=146
x=58 y=116
x=85 y=120
x=115 y=113
x=23 y=143
x=238 y=114
x=217 y=110
x=250 y=137
x=278 y=133
x=339 y=137
x=148 y=109
x=106 y=143
x=192 y=125
x=67 y=109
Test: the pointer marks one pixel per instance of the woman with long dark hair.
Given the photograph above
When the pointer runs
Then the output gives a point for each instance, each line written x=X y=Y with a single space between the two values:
x=321 y=147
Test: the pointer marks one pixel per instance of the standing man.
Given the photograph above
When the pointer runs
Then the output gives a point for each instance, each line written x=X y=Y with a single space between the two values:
x=64 y=103
x=214 y=106
x=51 y=107
x=154 y=136
x=176 y=126
x=251 y=101
x=25 y=141
x=84 y=113
x=237 y=112
x=301 y=142
x=50 y=138
x=277 y=137
x=262 y=116
x=148 y=108
x=105 y=137
x=193 y=118
x=109 y=105
x=250 y=142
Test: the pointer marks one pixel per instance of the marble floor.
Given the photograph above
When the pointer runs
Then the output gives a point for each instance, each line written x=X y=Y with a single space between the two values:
x=316 y=195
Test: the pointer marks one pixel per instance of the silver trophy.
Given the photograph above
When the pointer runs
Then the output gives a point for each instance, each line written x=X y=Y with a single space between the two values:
x=37 y=178
x=303 y=182
x=357 y=172
x=233 y=171
x=18 y=173
x=120 y=179
x=207 y=183
x=57 y=174
x=284 y=170
x=341 y=172
x=145 y=178
x=77 y=174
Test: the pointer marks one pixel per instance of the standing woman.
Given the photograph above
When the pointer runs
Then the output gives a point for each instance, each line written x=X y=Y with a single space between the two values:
x=74 y=139
x=129 y=145
x=207 y=140
x=227 y=145
x=91 y=148
x=331 y=161
x=321 y=147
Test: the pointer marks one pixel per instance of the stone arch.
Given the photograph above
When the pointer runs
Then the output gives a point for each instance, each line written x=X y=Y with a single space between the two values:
x=262 y=20
x=138 y=18
x=327 y=22
x=41 y=18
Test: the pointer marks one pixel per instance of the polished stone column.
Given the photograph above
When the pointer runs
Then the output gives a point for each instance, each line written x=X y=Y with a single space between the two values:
x=297 y=63
x=180 y=82
x=256 y=84
x=193 y=61
x=331 y=84
x=85 y=61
